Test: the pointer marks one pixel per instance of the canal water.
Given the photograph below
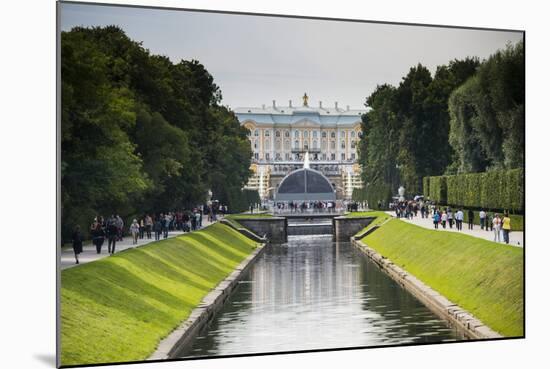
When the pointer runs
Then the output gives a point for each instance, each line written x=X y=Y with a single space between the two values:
x=312 y=293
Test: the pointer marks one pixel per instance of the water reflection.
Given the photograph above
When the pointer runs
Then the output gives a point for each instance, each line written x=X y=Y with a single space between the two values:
x=311 y=293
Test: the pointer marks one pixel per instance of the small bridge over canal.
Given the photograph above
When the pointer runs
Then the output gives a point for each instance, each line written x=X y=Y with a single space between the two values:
x=277 y=228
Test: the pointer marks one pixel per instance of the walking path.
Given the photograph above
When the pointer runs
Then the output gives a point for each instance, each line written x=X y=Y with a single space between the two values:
x=516 y=238
x=89 y=252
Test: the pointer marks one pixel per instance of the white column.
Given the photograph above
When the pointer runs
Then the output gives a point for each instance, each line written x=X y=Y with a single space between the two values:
x=338 y=144
x=272 y=143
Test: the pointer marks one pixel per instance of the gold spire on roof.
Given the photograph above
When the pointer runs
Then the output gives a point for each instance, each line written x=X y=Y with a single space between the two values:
x=305 y=97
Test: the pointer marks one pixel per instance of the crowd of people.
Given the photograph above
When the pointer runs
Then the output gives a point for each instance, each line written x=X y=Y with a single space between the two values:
x=306 y=206
x=145 y=227
x=499 y=224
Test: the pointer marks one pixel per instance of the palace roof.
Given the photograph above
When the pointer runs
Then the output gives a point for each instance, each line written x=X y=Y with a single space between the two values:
x=291 y=115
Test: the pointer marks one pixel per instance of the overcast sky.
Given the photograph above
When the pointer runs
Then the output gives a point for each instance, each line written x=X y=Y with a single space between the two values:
x=257 y=59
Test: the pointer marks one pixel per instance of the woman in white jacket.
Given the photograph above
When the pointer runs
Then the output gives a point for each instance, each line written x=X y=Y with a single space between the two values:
x=134 y=230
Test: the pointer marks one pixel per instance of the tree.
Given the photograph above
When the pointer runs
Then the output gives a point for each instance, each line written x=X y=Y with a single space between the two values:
x=488 y=113
x=140 y=133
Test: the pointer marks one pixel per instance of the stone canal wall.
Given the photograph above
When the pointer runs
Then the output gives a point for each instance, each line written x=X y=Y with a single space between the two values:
x=345 y=227
x=463 y=320
x=244 y=231
x=182 y=337
x=273 y=228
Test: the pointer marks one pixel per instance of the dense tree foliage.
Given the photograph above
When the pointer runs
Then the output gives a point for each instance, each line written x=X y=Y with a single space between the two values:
x=406 y=131
x=487 y=115
x=140 y=133
x=468 y=117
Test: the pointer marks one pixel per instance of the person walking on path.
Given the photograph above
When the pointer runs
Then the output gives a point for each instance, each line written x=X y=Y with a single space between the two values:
x=134 y=230
x=450 y=218
x=166 y=225
x=470 y=219
x=112 y=234
x=185 y=219
x=120 y=227
x=198 y=219
x=482 y=216
x=97 y=231
x=506 y=228
x=444 y=219
x=459 y=217
x=157 y=228
x=193 y=222
x=148 y=225
x=141 y=228
x=436 y=219
x=497 y=223
x=77 y=242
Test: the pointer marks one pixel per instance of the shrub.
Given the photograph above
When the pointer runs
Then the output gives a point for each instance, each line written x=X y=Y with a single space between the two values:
x=497 y=190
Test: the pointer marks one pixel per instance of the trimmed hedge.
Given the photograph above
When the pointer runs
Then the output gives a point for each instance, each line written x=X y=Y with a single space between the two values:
x=241 y=201
x=426 y=186
x=372 y=194
x=502 y=190
x=438 y=189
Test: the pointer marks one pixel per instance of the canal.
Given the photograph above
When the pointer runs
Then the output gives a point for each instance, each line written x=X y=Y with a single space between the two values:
x=312 y=293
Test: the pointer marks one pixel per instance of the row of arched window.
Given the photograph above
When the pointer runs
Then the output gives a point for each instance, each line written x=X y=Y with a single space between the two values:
x=305 y=134
x=267 y=145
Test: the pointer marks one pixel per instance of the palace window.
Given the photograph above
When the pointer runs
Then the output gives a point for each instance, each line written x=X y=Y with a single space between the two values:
x=314 y=134
x=266 y=156
x=353 y=156
x=266 y=133
x=332 y=145
x=256 y=133
x=287 y=145
x=332 y=135
x=305 y=146
x=323 y=145
x=324 y=135
x=278 y=134
x=305 y=134
x=324 y=156
x=314 y=144
x=296 y=144
x=255 y=145
x=256 y=155
x=352 y=134
x=353 y=144
x=296 y=134
x=333 y=156
x=287 y=134
x=287 y=156
x=266 y=145
x=342 y=134
x=343 y=144
x=343 y=156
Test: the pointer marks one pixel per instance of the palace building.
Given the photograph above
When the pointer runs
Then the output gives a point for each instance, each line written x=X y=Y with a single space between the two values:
x=281 y=137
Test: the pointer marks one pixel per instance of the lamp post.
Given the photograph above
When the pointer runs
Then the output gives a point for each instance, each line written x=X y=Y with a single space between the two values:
x=398 y=167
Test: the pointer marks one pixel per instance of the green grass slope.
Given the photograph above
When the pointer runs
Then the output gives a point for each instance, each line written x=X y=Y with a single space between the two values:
x=483 y=277
x=234 y=218
x=120 y=307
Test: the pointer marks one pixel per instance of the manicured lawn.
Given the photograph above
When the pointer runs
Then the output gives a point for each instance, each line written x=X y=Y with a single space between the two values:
x=371 y=213
x=248 y=215
x=120 y=307
x=482 y=277
x=234 y=218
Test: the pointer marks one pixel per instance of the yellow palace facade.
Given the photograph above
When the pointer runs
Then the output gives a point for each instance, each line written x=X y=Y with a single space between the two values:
x=281 y=136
